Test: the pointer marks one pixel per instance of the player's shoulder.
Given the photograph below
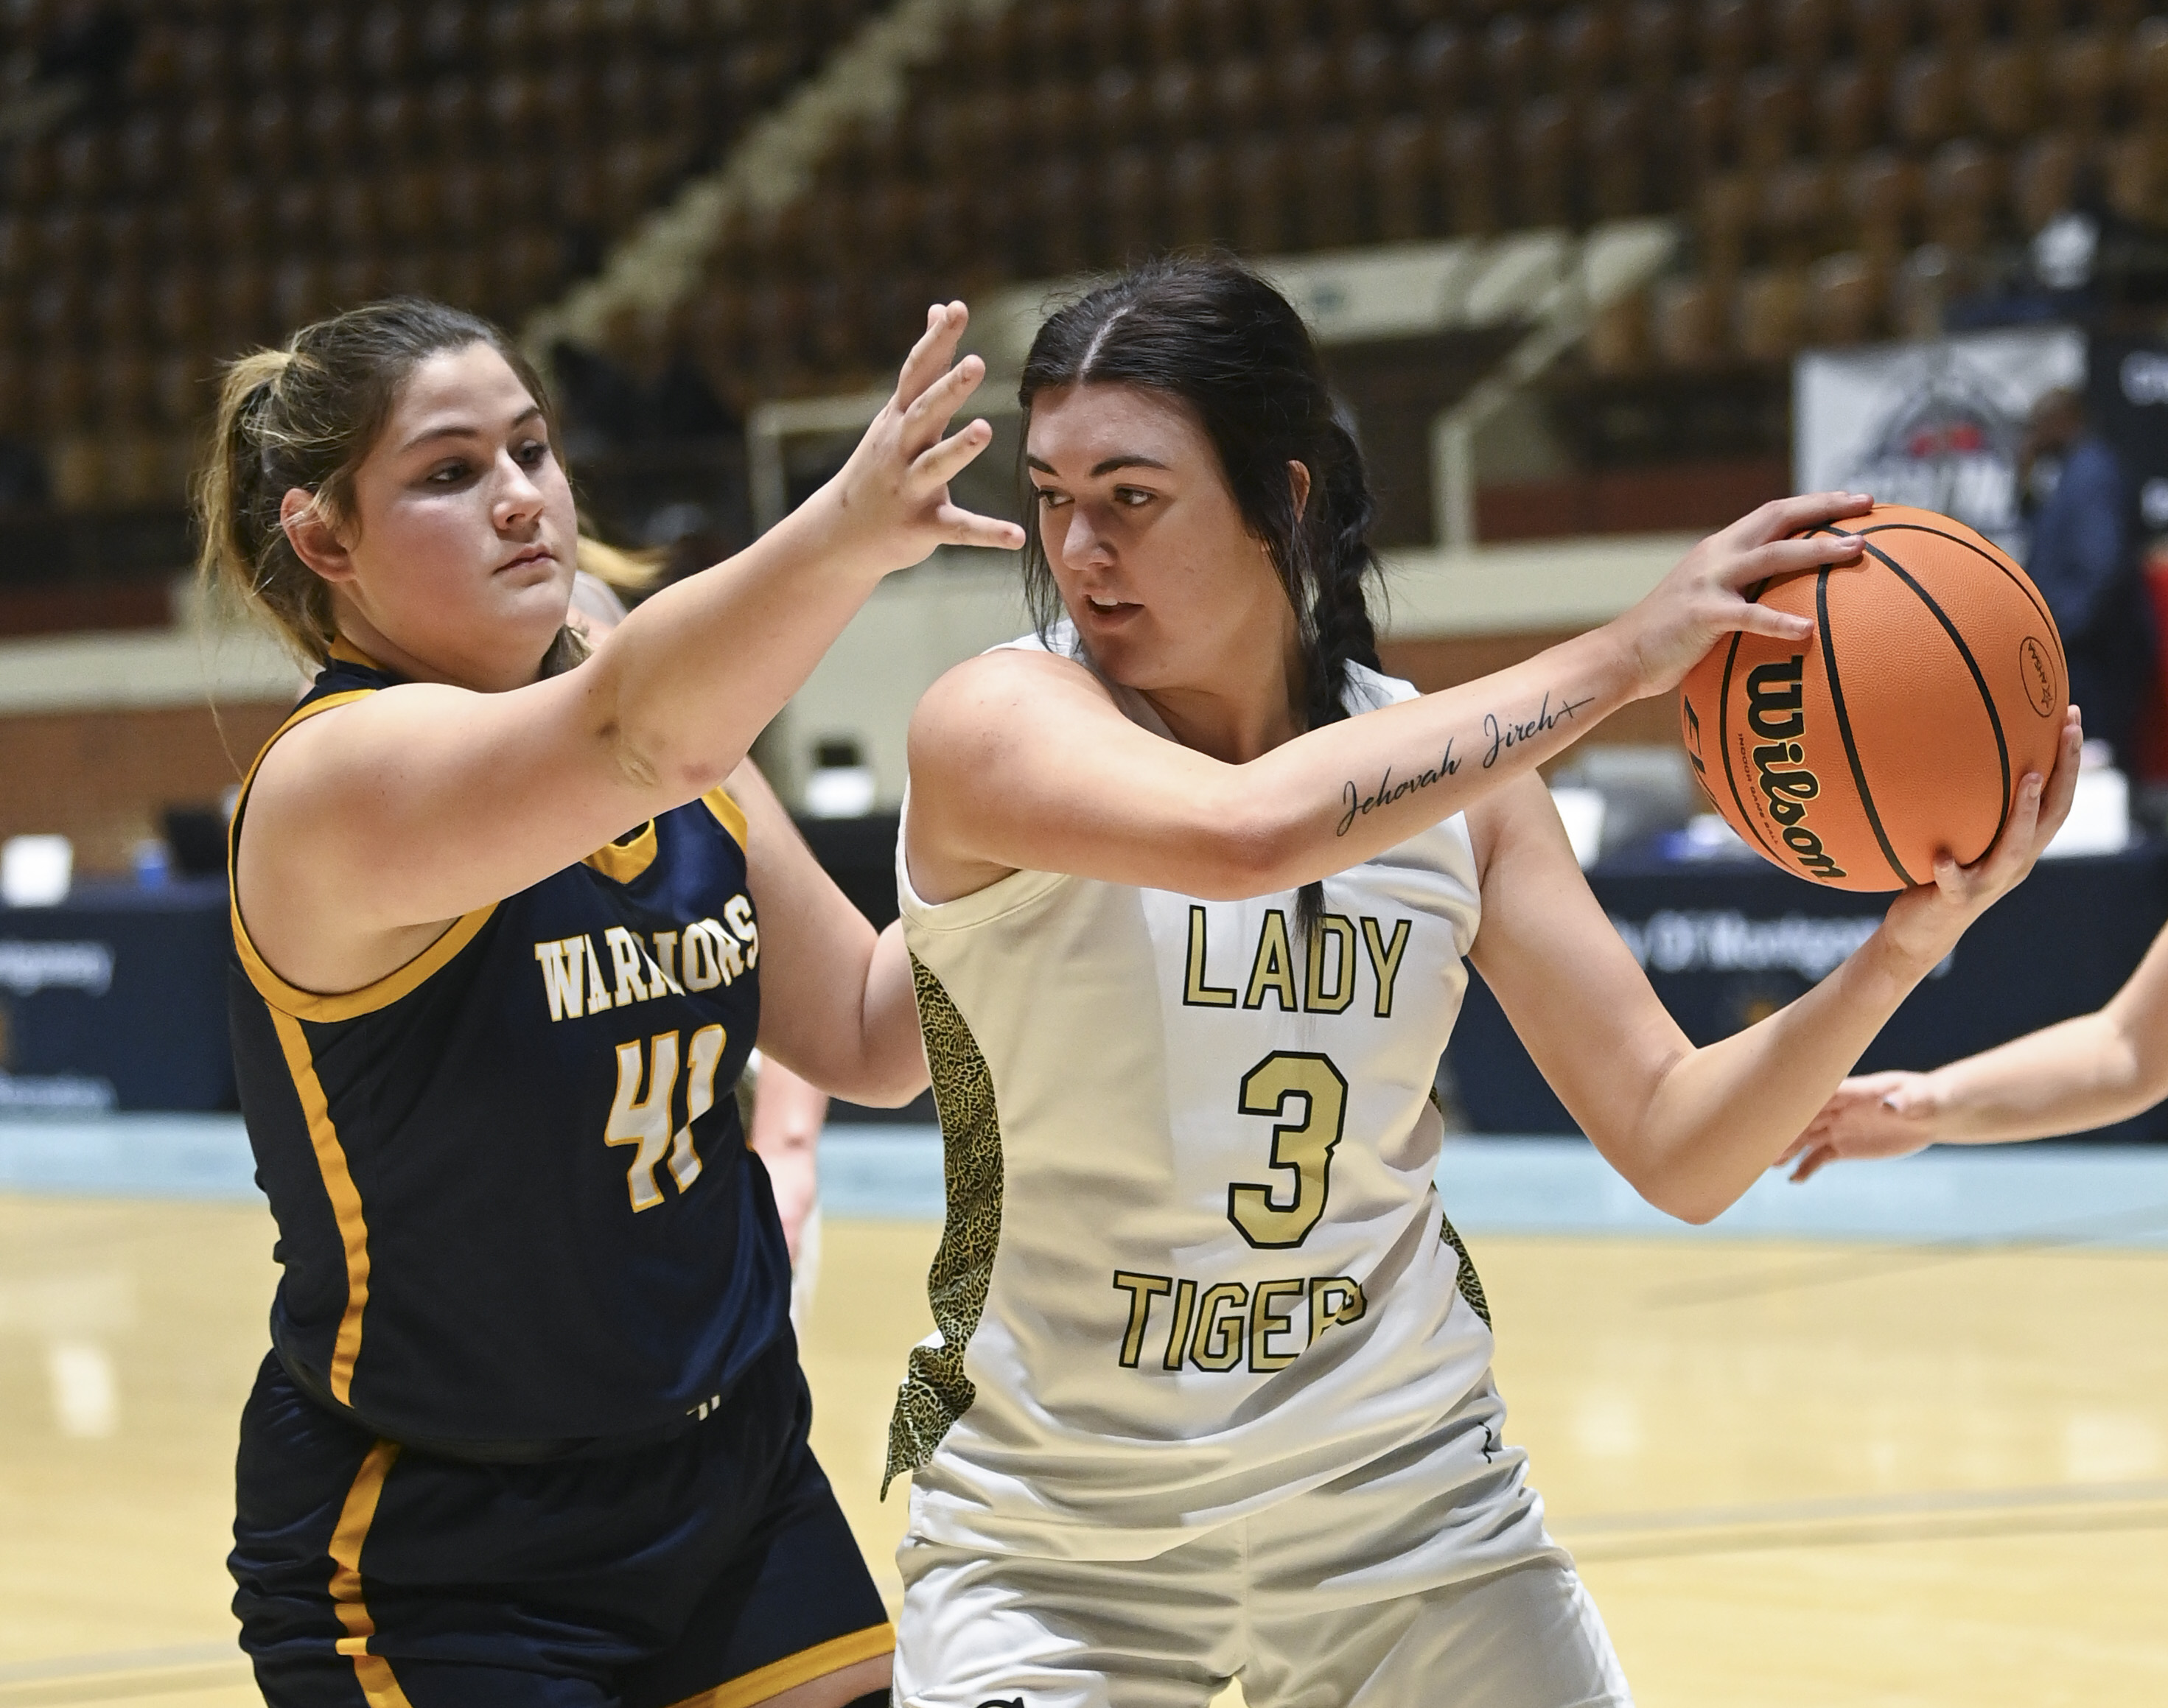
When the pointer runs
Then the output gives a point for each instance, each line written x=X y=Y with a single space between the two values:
x=354 y=721
x=1006 y=682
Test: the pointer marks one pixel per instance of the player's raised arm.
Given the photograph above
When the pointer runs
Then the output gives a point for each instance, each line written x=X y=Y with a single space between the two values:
x=435 y=536
x=2099 y=1067
x=1025 y=760
x=835 y=1006
x=1693 y=1128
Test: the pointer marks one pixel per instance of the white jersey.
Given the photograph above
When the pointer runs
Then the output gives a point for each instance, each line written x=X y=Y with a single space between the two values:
x=1194 y=1263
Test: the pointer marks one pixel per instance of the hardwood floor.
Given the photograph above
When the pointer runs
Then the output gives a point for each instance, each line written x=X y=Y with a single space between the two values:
x=1794 y=1474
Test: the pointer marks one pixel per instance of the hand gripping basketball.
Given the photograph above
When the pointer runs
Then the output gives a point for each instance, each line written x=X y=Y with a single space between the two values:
x=1704 y=598
x=1928 y=919
x=1895 y=733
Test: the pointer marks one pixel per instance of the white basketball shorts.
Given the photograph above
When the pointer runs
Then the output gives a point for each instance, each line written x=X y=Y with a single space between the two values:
x=1425 y=1577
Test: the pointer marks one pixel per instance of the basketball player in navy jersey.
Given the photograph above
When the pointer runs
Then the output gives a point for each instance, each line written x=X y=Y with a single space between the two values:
x=783 y=1113
x=532 y=1430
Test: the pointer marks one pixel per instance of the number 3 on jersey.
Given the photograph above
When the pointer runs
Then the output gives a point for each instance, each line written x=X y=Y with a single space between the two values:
x=646 y=1120
x=1303 y=1147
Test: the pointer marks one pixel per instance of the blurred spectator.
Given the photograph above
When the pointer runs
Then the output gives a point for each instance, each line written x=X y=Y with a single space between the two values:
x=683 y=405
x=603 y=403
x=94 y=44
x=2056 y=277
x=609 y=405
x=22 y=475
x=2084 y=559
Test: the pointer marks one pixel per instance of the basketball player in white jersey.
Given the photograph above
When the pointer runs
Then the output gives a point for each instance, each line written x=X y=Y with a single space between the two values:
x=1209 y=1394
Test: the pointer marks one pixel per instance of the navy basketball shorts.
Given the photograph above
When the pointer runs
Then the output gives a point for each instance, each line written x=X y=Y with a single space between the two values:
x=715 y=1569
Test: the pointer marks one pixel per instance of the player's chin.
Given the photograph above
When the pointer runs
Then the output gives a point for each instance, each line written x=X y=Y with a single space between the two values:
x=532 y=597
x=1125 y=647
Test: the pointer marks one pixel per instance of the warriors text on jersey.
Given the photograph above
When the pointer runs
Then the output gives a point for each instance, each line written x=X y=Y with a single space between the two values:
x=1194 y=1262
x=515 y=1206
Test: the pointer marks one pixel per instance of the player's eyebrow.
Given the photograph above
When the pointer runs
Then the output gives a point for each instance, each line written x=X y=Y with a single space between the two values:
x=1107 y=466
x=461 y=430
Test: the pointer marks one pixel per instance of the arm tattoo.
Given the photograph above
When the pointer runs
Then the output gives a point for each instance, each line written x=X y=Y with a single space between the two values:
x=1360 y=805
x=1504 y=734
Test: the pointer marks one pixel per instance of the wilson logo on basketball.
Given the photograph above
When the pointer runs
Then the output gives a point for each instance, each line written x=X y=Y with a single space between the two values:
x=2039 y=677
x=1775 y=711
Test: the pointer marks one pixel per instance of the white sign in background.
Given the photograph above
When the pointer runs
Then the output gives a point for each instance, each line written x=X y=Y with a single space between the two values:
x=1933 y=425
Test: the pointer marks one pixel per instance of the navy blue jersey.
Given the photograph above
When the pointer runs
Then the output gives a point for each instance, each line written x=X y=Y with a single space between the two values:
x=515 y=1205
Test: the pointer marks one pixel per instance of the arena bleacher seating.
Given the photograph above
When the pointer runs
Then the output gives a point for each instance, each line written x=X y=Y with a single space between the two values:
x=180 y=178
x=1848 y=168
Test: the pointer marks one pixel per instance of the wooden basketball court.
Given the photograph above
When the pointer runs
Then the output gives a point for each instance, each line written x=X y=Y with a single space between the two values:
x=1795 y=1473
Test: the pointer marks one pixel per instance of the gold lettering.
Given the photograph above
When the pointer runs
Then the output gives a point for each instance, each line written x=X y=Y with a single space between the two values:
x=1143 y=1288
x=1335 y=1300
x=1195 y=991
x=1265 y=1321
x=1340 y=932
x=1274 y=969
x=1218 y=1345
x=1177 y=1336
x=1385 y=960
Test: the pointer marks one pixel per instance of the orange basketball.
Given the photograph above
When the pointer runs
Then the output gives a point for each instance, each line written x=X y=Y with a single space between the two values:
x=1934 y=682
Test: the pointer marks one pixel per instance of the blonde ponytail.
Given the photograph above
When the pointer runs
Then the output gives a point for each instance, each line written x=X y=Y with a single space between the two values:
x=626 y=571
x=245 y=559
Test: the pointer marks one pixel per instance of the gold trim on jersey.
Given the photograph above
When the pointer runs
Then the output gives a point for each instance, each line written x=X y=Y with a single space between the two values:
x=935 y=1391
x=339 y=1187
x=622 y=861
x=373 y=1673
x=728 y=814
x=312 y=1005
x=1469 y=1283
x=800 y=1669
x=346 y=652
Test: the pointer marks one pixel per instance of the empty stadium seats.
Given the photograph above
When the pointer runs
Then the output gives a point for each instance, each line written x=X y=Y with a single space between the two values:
x=1813 y=145
x=260 y=162
x=1841 y=166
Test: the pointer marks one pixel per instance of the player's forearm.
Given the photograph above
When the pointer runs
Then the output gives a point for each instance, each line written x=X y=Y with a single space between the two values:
x=2082 y=1074
x=1723 y=1113
x=684 y=684
x=793 y=1168
x=1345 y=793
x=892 y=1049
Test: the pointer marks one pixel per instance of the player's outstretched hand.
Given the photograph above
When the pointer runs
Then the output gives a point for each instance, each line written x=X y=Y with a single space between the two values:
x=889 y=502
x=1927 y=920
x=1704 y=599
x=1872 y=1115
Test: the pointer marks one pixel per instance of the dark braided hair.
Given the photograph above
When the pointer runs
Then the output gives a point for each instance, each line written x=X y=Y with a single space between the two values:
x=1212 y=333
